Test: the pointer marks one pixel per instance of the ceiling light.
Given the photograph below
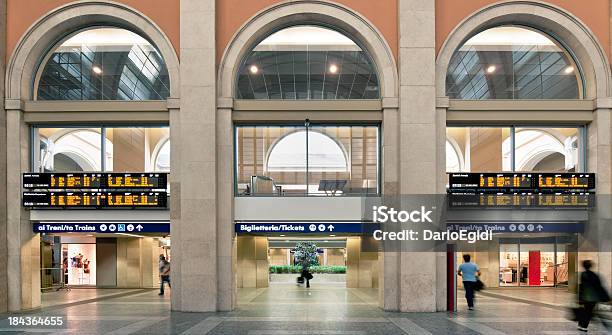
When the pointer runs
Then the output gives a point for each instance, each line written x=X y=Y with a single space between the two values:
x=333 y=68
x=254 y=69
x=491 y=69
x=569 y=70
x=332 y=235
x=282 y=235
x=96 y=69
x=326 y=241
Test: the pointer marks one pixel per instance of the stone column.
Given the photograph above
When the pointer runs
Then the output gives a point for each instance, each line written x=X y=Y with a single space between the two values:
x=599 y=155
x=421 y=280
x=3 y=159
x=194 y=188
x=23 y=245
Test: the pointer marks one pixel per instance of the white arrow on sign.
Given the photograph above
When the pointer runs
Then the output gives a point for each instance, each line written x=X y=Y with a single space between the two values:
x=540 y=227
x=331 y=228
x=139 y=227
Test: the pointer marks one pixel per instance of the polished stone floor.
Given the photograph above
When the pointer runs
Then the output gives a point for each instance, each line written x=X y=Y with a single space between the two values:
x=287 y=309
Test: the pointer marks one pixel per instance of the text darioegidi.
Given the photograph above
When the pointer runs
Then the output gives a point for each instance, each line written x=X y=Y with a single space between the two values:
x=384 y=214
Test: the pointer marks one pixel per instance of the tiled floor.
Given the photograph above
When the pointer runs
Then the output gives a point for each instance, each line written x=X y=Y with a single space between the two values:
x=288 y=309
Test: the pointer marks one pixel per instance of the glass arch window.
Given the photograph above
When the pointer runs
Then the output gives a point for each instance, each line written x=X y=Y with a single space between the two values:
x=511 y=62
x=307 y=63
x=162 y=159
x=104 y=64
x=324 y=154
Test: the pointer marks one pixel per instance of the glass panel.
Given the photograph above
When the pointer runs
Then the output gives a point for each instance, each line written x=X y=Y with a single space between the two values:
x=478 y=149
x=104 y=64
x=508 y=264
x=342 y=160
x=307 y=62
x=548 y=149
x=537 y=264
x=135 y=149
x=67 y=149
x=264 y=171
x=511 y=62
x=273 y=160
x=562 y=265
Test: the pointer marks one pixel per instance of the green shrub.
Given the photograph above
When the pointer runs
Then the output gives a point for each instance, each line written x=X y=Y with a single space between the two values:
x=312 y=269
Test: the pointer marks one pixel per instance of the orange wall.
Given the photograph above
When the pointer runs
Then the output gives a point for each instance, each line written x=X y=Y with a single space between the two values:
x=232 y=14
x=21 y=14
x=596 y=16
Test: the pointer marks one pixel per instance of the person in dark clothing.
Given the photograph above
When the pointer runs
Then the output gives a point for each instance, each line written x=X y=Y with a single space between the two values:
x=164 y=273
x=590 y=292
x=306 y=275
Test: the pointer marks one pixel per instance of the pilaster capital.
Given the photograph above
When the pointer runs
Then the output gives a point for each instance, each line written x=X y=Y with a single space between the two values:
x=225 y=103
x=390 y=103
x=442 y=102
x=174 y=103
x=13 y=104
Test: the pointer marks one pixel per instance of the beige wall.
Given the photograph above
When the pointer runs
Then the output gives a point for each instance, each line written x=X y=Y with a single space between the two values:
x=137 y=263
x=252 y=262
x=362 y=267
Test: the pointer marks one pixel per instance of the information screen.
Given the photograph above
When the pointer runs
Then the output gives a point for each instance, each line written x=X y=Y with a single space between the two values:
x=95 y=199
x=95 y=181
x=520 y=182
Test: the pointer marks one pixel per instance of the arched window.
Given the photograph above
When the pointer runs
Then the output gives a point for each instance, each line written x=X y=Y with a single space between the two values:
x=161 y=162
x=512 y=62
x=104 y=64
x=539 y=150
x=453 y=158
x=307 y=62
x=73 y=150
x=324 y=154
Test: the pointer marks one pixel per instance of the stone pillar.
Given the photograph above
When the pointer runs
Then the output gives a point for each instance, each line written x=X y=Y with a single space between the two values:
x=194 y=189
x=3 y=160
x=422 y=285
x=226 y=239
x=362 y=266
x=600 y=161
x=23 y=245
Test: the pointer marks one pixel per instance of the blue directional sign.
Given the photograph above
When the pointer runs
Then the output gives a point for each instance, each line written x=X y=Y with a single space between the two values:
x=101 y=227
x=264 y=228
x=520 y=227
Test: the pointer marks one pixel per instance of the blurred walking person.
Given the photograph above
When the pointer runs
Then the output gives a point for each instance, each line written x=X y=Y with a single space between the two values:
x=590 y=292
x=164 y=273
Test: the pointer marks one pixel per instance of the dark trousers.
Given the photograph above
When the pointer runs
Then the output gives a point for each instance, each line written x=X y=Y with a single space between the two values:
x=307 y=282
x=164 y=279
x=587 y=314
x=468 y=286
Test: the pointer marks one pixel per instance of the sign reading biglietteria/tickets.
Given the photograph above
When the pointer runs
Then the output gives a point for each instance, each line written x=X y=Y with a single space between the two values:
x=303 y=227
x=101 y=228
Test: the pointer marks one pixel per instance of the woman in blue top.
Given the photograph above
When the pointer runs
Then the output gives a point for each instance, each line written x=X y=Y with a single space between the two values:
x=469 y=271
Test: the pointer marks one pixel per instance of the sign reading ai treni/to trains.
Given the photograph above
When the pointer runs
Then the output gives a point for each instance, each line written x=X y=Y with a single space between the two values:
x=95 y=190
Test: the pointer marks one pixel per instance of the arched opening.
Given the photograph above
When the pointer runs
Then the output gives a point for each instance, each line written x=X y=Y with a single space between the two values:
x=318 y=153
x=103 y=63
x=161 y=159
x=307 y=62
x=453 y=158
x=72 y=150
x=512 y=62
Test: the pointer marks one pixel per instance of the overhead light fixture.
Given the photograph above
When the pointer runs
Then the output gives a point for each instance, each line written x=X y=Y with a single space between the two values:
x=254 y=69
x=332 y=235
x=333 y=68
x=491 y=69
x=282 y=235
x=96 y=69
x=569 y=70
x=326 y=241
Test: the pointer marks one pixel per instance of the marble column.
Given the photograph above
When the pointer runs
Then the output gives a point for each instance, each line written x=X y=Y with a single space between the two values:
x=194 y=187
x=3 y=159
x=421 y=274
x=23 y=256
